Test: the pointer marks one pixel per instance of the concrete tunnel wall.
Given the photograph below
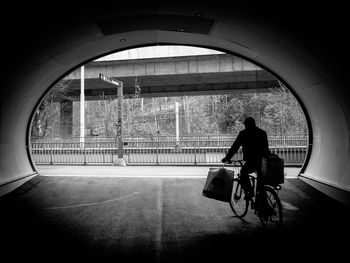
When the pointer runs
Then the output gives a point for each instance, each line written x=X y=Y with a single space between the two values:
x=311 y=78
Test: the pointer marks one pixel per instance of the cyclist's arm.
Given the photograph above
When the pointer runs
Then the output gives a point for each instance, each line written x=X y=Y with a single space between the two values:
x=266 y=150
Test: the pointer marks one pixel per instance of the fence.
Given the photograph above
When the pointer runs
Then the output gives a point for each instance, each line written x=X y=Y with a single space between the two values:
x=195 y=150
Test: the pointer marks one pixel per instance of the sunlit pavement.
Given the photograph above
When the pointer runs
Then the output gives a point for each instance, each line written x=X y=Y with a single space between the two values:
x=136 y=171
x=158 y=214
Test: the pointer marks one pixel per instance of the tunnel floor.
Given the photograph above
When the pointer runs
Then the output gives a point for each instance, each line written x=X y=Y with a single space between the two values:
x=101 y=219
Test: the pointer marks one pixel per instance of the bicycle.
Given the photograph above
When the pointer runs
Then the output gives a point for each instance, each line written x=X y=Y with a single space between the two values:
x=265 y=201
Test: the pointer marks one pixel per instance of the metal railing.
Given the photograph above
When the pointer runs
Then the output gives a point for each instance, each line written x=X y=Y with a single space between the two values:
x=195 y=150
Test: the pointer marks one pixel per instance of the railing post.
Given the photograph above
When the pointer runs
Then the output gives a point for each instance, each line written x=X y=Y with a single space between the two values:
x=195 y=152
x=112 y=149
x=157 y=147
x=84 y=153
x=51 y=154
x=103 y=152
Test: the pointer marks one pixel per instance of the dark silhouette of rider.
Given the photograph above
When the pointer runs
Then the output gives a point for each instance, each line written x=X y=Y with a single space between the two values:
x=255 y=146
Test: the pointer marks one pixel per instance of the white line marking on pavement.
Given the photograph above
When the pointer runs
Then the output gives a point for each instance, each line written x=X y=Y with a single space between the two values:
x=288 y=206
x=159 y=231
x=90 y=204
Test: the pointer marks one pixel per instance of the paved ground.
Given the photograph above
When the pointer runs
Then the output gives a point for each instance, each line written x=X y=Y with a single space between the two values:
x=135 y=171
x=134 y=218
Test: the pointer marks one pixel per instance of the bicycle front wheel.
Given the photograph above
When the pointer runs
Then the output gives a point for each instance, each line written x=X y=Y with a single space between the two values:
x=238 y=202
x=270 y=211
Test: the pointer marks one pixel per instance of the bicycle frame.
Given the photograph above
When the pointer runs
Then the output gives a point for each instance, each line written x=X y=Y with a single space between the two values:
x=258 y=193
x=265 y=201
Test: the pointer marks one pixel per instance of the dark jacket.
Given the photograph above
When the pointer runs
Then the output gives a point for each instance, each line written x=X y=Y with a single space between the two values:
x=254 y=144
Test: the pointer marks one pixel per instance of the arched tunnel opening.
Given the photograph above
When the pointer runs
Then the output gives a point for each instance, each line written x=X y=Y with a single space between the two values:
x=182 y=105
x=112 y=223
x=325 y=171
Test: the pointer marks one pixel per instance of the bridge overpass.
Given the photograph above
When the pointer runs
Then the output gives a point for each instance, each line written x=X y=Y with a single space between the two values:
x=165 y=76
x=173 y=76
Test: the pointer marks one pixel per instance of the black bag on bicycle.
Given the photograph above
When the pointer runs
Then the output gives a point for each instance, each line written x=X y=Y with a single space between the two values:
x=219 y=184
x=272 y=169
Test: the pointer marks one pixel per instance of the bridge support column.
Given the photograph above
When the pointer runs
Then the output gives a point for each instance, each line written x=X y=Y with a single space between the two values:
x=66 y=119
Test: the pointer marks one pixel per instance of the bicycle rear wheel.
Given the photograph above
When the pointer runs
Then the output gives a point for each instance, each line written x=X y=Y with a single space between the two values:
x=270 y=212
x=238 y=202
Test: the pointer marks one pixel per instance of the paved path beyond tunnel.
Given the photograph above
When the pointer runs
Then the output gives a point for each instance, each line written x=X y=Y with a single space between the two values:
x=159 y=219
x=136 y=171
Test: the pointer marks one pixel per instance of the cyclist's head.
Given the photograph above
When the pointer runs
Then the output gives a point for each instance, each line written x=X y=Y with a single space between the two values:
x=249 y=123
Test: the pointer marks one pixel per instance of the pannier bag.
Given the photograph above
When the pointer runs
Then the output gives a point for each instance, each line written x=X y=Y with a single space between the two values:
x=219 y=184
x=272 y=169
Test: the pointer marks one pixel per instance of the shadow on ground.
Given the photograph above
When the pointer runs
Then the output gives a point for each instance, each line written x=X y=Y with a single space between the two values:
x=161 y=220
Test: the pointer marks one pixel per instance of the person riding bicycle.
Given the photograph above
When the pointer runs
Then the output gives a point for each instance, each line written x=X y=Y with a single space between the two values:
x=255 y=146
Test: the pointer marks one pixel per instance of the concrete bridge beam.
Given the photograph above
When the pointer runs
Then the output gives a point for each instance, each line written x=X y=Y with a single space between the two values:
x=174 y=76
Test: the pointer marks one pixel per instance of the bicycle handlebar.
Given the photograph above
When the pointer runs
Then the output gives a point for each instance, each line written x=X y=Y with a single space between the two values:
x=240 y=161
